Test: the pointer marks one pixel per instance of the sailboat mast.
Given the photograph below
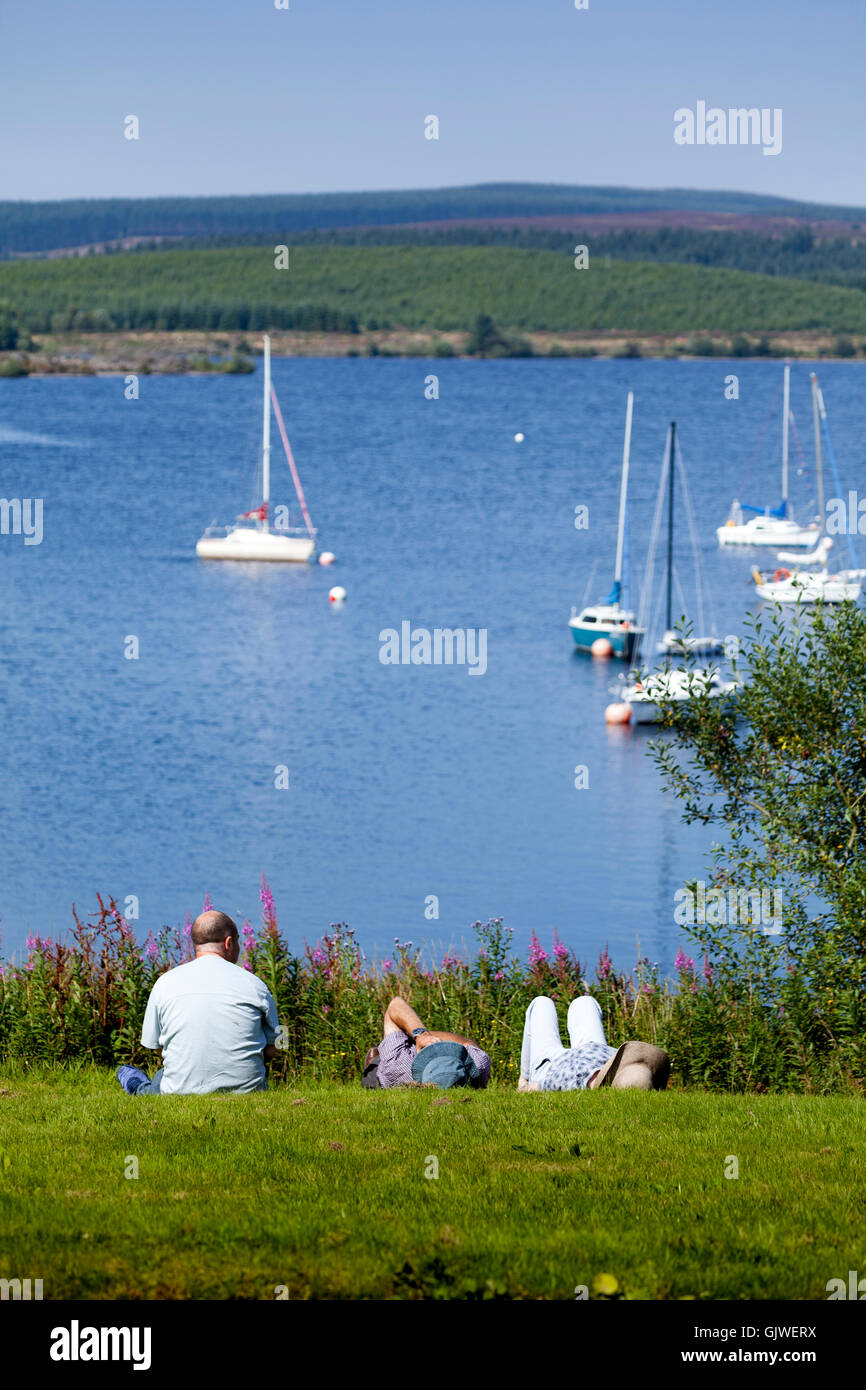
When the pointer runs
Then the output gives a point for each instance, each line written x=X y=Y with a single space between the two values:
x=816 y=416
x=786 y=406
x=266 y=426
x=623 y=491
x=671 y=521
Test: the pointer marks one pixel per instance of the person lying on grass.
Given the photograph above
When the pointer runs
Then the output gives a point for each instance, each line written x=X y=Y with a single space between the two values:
x=215 y=1022
x=590 y=1061
x=409 y=1053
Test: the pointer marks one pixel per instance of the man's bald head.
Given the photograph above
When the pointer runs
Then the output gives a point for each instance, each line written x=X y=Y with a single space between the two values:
x=214 y=933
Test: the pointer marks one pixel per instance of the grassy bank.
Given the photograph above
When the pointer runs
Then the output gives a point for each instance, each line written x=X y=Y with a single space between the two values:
x=353 y=289
x=322 y=1189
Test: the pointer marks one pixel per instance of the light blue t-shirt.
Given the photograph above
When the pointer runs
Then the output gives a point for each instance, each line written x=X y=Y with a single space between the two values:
x=212 y=1020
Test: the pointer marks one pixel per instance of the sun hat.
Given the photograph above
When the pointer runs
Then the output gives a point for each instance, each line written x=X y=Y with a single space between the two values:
x=443 y=1064
x=636 y=1066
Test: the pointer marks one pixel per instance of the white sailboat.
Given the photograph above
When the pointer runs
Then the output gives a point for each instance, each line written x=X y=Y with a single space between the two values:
x=610 y=619
x=804 y=584
x=642 y=698
x=771 y=526
x=252 y=537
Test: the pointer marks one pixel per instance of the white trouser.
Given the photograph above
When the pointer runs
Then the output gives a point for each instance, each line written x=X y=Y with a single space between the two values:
x=541 y=1040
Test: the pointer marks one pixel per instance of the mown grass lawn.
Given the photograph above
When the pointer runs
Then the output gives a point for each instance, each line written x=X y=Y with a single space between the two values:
x=321 y=1188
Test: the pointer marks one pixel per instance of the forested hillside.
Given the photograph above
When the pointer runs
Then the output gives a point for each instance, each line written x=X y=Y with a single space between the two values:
x=350 y=288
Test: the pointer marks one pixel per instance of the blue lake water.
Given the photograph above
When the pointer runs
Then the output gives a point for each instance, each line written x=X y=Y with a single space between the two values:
x=155 y=777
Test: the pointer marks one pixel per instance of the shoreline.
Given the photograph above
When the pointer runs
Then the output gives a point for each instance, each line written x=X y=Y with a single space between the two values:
x=180 y=353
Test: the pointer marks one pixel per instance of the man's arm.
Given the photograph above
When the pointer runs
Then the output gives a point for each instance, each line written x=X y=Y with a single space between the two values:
x=402 y=1016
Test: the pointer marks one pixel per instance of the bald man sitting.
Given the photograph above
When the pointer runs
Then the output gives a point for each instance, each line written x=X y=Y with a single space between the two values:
x=215 y=1022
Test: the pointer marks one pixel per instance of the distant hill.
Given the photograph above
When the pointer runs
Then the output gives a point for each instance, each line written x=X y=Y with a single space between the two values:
x=36 y=228
x=435 y=288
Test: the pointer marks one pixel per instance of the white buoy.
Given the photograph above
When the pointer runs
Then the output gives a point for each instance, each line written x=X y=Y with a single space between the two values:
x=337 y=594
x=327 y=557
x=518 y=439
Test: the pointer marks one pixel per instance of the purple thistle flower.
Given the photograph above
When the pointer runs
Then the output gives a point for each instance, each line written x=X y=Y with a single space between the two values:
x=387 y=965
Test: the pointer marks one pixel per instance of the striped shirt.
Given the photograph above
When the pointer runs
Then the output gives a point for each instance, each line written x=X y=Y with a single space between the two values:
x=397 y=1052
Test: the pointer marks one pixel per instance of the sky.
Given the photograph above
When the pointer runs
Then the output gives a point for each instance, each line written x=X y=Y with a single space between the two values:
x=237 y=96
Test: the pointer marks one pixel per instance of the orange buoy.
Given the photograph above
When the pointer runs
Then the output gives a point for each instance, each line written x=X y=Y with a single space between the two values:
x=617 y=714
x=602 y=647
x=781 y=574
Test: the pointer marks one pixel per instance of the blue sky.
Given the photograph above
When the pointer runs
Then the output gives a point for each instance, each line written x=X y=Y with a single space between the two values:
x=235 y=96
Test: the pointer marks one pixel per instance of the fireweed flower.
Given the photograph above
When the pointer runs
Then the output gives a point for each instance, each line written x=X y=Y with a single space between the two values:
x=266 y=898
x=682 y=961
x=537 y=953
x=605 y=964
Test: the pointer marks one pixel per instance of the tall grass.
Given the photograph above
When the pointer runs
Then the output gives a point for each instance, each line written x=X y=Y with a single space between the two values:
x=84 y=1000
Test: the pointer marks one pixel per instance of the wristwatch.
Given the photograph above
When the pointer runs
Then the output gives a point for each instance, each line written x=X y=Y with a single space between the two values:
x=416 y=1031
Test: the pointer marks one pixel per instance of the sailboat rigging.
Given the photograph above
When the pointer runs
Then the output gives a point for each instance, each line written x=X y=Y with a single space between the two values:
x=611 y=619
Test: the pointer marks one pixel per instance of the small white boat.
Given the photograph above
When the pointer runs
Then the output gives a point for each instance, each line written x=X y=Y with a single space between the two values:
x=809 y=586
x=252 y=537
x=646 y=698
x=678 y=644
x=818 y=556
x=765 y=529
x=253 y=543
x=770 y=526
